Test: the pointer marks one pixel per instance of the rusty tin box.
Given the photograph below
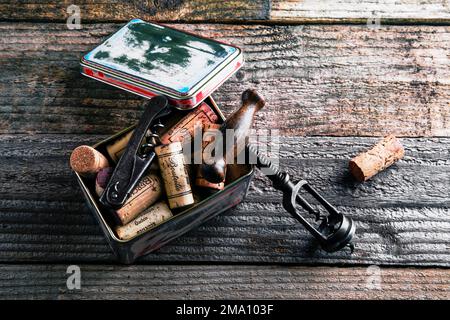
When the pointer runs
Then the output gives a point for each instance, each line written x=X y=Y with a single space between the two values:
x=128 y=251
x=133 y=59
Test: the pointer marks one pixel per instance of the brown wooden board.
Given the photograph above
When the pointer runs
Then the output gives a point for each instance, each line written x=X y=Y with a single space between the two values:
x=402 y=214
x=267 y=11
x=318 y=80
x=223 y=282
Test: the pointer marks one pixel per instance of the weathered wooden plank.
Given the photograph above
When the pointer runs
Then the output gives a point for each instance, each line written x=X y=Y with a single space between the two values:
x=159 y=10
x=402 y=214
x=360 y=11
x=318 y=80
x=223 y=282
x=305 y=11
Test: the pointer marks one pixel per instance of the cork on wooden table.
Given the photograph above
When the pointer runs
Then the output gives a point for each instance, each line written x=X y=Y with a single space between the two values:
x=367 y=164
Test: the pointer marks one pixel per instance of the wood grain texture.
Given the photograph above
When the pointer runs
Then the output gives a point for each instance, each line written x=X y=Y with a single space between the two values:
x=402 y=214
x=262 y=11
x=124 y=10
x=360 y=11
x=223 y=282
x=317 y=80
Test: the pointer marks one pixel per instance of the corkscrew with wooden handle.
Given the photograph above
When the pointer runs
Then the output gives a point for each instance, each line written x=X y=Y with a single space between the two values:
x=335 y=231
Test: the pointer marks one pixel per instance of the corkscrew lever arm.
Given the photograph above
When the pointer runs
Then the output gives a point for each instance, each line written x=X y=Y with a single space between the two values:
x=335 y=231
x=137 y=156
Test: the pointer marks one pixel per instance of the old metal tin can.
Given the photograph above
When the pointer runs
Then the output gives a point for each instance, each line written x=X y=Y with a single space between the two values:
x=150 y=59
x=127 y=251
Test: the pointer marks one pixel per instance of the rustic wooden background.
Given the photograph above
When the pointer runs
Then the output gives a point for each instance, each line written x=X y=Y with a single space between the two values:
x=334 y=85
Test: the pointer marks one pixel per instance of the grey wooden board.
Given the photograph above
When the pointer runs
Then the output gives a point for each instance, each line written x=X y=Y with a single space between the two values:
x=263 y=11
x=223 y=282
x=402 y=214
x=318 y=80
x=388 y=11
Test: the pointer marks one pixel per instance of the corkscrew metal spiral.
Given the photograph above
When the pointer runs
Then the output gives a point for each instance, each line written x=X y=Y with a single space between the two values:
x=335 y=230
x=152 y=139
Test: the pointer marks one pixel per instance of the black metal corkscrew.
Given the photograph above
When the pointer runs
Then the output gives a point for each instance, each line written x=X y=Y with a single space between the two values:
x=138 y=155
x=335 y=230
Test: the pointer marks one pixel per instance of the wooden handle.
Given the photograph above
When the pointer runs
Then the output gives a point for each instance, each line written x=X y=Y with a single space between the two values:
x=240 y=121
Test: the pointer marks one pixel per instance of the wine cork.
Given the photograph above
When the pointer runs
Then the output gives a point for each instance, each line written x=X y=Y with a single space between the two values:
x=87 y=161
x=117 y=148
x=147 y=220
x=101 y=181
x=175 y=176
x=146 y=193
x=202 y=115
x=208 y=137
x=382 y=155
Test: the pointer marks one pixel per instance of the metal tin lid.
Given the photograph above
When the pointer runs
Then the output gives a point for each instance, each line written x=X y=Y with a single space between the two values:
x=150 y=59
